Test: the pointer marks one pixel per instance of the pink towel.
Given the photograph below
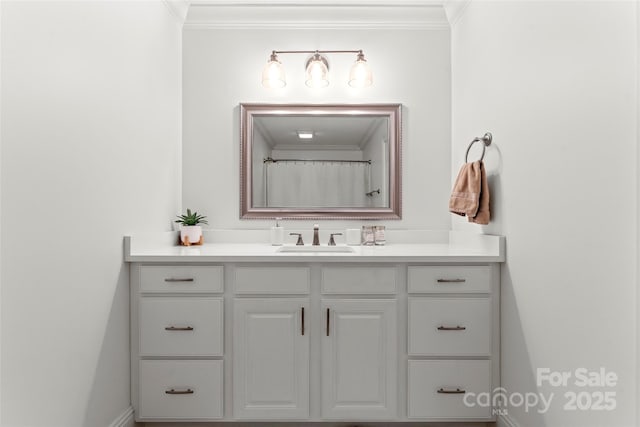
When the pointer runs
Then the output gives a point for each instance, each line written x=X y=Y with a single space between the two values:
x=470 y=195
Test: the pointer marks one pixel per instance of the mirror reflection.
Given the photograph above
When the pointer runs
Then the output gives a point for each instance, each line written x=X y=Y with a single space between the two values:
x=320 y=161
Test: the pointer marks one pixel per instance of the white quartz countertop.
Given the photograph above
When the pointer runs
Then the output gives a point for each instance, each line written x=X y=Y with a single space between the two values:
x=455 y=247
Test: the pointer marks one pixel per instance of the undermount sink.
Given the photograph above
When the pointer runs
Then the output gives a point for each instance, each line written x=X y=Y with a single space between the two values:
x=311 y=248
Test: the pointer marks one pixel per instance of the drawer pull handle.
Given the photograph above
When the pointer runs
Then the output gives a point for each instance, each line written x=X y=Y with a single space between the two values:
x=456 y=391
x=452 y=280
x=174 y=391
x=328 y=322
x=302 y=327
x=175 y=328
x=178 y=280
x=451 y=328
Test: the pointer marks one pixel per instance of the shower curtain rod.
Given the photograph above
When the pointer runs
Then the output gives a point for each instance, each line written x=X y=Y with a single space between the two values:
x=271 y=160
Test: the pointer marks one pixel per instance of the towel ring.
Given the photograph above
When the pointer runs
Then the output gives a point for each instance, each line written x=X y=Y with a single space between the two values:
x=486 y=139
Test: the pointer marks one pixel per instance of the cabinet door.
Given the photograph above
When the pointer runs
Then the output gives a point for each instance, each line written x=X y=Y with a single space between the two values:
x=359 y=359
x=271 y=358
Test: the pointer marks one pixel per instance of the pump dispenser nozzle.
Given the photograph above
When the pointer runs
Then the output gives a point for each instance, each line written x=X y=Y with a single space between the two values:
x=277 y=234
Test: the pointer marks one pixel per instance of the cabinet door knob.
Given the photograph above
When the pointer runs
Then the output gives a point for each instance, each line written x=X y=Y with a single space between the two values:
x=174 y=391
x=302 y=316
x=451 y=328
x=456 y=391
x=176 y=328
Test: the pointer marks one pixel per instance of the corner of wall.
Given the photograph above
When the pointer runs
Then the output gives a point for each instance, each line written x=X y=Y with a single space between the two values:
x=125 y=419
x=455 y=9
x=637 y=214
x=506 y=421
x=178 y=8
x=0 y=212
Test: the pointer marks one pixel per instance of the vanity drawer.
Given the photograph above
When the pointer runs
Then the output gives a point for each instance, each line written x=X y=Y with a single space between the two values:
x=449 y=279
x=359 y=280
x=272 y=280
x=181 y=326
x=449 y=326
x=430 y=380
x=165 y=278
x=180 y=389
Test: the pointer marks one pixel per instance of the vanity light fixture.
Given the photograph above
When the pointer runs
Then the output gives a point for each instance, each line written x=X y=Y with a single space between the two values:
x=273 y=73
x=316 y=69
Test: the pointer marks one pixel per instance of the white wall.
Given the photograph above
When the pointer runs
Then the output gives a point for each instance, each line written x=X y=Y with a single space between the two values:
x=260 y=150
x=376 y=149
x=1 y=133
x=222 y=68
x=556 y=84
x=91 y=112
x=317 y=154
x=638 y=215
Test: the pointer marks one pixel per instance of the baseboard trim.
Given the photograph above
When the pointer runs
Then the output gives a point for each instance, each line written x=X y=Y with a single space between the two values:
x=125 y=419
x=506 y=421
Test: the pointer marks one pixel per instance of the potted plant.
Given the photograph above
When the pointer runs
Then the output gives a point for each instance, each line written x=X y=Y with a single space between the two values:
x=190 y=230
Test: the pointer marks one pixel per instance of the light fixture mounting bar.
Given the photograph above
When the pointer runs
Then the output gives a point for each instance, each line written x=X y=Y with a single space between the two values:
x=316 y=69
x=316 y=51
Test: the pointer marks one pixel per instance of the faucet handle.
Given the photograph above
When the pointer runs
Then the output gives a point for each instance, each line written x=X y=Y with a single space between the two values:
x=299 y=242
x=332 y=242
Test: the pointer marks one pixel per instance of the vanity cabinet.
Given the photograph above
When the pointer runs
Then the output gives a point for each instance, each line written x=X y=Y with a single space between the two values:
x=177 y=342
x=271 y=336
x=313 y=340
x=359 y=342
x=359 y=359
x=452 y=322
x=270 y=342
x=271 y=358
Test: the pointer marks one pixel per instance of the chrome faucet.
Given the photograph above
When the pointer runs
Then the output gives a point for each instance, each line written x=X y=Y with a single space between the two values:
x=316 y=238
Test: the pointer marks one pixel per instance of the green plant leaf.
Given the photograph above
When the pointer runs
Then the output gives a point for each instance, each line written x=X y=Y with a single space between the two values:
x=191 y=219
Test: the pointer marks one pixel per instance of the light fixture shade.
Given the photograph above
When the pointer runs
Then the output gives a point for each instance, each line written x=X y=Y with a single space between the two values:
x=273 y=74
x=317 y=71
x=360 y=74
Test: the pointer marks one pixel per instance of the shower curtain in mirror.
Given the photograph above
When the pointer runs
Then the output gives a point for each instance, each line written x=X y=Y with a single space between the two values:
x=316 y=183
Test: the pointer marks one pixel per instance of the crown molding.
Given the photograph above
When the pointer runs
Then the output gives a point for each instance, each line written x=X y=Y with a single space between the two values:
x=312 y=3
x=455 y=9
x=178 y=8
x=290 y=14
x=314 y=25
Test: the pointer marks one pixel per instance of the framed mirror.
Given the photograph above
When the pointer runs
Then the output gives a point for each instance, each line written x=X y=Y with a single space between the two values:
x=320 y=161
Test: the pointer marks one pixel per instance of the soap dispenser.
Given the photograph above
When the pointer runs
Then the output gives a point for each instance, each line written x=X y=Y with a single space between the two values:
x=277 y=234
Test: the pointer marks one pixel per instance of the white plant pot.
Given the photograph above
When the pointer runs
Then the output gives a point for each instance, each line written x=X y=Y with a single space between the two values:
x=193 y=232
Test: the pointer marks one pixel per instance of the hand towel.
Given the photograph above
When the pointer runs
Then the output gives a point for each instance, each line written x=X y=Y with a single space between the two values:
x=465 y=197
x=470 y=195
x=483 y=215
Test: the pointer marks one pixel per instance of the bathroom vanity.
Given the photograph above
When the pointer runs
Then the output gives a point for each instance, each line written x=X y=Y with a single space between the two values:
x=239 y=331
